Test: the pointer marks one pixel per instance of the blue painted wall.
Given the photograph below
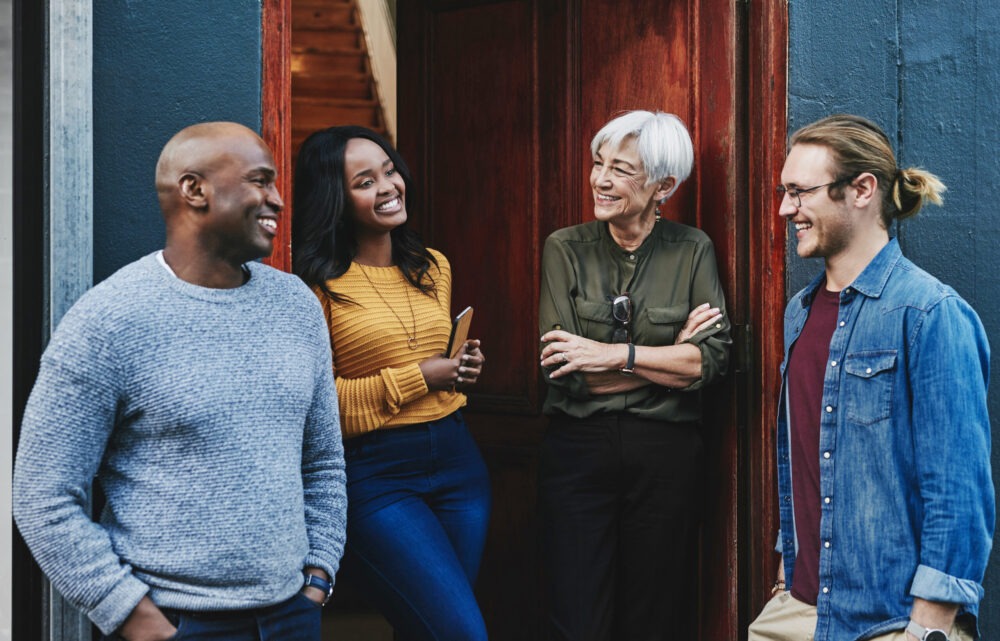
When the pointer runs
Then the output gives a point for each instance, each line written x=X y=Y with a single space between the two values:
x=158 y=67
x=928 y=73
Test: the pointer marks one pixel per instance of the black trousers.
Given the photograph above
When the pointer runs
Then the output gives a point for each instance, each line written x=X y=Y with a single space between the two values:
x=620 y=512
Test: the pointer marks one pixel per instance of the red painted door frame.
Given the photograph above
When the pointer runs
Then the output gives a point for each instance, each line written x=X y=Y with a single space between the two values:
x=276 y=107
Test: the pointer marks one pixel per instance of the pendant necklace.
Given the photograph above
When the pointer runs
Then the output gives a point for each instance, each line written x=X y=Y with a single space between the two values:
x=411 y=341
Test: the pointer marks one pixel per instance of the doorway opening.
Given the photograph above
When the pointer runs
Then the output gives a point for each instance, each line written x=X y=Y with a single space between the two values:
x=343 y=72
x=343 y=66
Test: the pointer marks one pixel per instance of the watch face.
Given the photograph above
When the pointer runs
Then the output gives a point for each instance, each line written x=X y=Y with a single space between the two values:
x=936 y=635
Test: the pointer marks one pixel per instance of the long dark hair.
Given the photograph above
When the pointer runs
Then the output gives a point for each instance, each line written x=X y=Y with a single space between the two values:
x=324 y=233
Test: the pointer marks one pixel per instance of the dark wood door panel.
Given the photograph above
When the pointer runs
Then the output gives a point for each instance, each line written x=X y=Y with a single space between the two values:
x=480 y=168
x=499 y=101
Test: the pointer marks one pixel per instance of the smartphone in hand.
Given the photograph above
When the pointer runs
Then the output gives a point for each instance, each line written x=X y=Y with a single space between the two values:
x=459 y=332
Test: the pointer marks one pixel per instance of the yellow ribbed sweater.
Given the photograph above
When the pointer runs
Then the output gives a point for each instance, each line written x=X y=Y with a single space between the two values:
x=379 y=384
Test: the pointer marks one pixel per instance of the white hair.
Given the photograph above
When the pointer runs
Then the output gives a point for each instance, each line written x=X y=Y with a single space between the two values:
x=661 y=139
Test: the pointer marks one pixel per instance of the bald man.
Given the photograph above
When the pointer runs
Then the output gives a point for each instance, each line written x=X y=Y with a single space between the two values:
x=195 y=385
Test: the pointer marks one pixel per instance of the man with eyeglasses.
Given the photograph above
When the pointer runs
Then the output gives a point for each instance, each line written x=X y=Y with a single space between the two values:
x=886 y=500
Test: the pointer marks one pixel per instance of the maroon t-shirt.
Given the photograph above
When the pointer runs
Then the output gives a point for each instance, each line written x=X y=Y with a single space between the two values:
x=806 y=368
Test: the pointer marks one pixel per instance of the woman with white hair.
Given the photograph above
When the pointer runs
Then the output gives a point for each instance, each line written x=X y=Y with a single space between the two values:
x=634 y=325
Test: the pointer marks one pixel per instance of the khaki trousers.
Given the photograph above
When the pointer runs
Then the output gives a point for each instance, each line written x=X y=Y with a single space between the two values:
x=786 y=619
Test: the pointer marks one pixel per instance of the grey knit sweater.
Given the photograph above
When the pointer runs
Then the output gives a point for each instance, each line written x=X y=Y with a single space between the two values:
x=209 y=418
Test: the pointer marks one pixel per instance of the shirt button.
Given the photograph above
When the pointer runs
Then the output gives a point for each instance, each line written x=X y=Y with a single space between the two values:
x=631 y=256
x=826 y=455
x=842 y=323
x=826 y=590
x=788 y=499
x=826 y=544
x=833 y=363
x=829 y=408
x=868 y=370
x=826 y=500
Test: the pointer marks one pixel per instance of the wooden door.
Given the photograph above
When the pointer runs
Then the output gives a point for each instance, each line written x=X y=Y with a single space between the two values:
x=498 y=100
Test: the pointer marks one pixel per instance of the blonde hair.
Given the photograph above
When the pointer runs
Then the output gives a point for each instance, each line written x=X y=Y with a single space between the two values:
x=860 y=146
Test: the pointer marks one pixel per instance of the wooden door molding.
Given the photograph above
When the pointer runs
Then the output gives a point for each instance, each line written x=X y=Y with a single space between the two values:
x=276 y=106
x=767 y=138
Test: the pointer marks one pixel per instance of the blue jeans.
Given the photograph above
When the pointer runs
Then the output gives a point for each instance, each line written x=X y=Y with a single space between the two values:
x=418 y=510
x=297 y=619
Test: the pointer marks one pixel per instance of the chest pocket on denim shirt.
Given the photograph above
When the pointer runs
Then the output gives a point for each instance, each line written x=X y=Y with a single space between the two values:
x=595 y=319
x=664 y=324
x=867 y=393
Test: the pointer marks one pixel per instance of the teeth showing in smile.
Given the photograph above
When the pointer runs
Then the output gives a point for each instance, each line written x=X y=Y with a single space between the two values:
x=268 y=223
x=392 y=204
x=802 y=226
x=604 y=198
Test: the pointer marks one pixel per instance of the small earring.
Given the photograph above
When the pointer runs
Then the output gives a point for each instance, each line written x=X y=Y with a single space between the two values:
x=657 y=211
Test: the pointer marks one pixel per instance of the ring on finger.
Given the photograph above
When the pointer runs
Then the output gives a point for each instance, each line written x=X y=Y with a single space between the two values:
x=565 y=358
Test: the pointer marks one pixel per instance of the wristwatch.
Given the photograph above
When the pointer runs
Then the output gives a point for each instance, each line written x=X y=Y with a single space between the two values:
x=926 y=634
x=629 y=369
x=313 y=581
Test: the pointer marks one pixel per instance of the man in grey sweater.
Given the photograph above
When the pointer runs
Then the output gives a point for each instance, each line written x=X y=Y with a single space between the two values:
x=195 y=385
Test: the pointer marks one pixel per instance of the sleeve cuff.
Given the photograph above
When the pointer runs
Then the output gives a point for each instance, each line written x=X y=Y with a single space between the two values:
x=779 y=547
x=933 y=585
x=321 y=561
x=111 y=612
x=572 y=386
x=407 y=382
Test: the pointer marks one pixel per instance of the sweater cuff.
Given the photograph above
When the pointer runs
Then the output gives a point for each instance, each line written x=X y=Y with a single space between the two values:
x=408 y=382
x=111 y=612
x=315 y=560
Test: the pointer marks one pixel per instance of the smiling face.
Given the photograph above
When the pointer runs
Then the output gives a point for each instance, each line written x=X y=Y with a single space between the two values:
x=243 y=200
x=823 y=226
x=376 y=195
x=618 y=181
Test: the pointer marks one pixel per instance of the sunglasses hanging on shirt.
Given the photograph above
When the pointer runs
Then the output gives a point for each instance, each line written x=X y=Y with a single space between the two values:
x=621 y=311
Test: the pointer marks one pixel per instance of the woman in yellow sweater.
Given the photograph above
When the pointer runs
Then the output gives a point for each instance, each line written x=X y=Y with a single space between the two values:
x=418 y=490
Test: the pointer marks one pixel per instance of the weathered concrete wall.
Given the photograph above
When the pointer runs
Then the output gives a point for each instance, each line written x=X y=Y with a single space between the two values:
x=928 y=73
x=158 y=67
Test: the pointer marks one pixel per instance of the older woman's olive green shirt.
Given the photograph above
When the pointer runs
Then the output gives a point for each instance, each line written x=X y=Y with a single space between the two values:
x=671 y=273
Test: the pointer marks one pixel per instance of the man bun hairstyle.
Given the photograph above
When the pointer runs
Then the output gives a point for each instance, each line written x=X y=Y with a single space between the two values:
x=912 y=188
x=860 y=146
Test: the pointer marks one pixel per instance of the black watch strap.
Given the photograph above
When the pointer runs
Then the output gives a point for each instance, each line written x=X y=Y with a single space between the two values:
x=313 y=581
x=629 y=369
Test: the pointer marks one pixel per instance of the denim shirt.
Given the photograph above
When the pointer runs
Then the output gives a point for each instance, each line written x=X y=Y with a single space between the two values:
x=907 y=507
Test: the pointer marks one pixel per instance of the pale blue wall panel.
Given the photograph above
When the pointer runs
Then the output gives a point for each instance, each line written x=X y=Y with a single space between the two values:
x=159 y=66
x=928 y=73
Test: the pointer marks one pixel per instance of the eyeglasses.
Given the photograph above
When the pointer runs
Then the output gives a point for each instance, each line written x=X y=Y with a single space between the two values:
x=796 y=194
x=621 y=311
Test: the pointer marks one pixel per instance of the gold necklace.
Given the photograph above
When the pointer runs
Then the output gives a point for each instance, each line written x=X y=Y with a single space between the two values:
x=411 y=341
